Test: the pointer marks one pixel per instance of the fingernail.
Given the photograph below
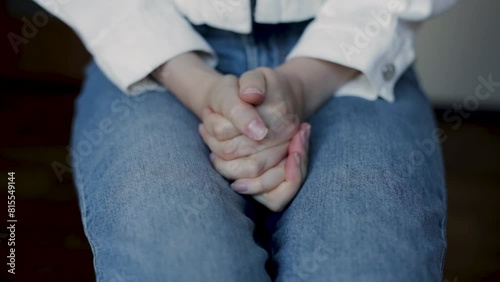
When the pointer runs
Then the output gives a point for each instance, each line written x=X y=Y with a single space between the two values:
x=252 y=90
x=297 y=158
x=212 y=157
x=303 y=136
x=239 y=187
x=257 y=129
x=308 y=132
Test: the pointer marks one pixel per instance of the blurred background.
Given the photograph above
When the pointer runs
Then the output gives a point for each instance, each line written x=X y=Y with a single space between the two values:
x=41 y=69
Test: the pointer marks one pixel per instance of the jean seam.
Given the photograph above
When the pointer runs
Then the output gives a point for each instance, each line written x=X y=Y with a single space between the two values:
x=83 y=207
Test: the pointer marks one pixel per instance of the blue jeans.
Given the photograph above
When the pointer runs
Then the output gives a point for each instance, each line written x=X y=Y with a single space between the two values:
x=373 y=206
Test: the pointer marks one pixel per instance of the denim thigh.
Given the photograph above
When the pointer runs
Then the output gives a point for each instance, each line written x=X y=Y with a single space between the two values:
x=373 y=206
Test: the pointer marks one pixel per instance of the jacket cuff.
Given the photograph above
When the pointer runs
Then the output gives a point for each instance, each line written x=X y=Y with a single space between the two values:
x=381 y=49
x=130 y=50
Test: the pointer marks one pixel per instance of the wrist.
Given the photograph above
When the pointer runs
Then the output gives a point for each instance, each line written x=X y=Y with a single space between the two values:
x=319 y=79
x=188 y=78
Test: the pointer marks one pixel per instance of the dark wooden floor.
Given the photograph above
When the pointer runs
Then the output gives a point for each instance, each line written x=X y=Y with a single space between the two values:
x=51 y=245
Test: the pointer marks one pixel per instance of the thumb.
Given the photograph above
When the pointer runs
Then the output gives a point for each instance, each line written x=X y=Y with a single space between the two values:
x=252 y=86
x=242 y=115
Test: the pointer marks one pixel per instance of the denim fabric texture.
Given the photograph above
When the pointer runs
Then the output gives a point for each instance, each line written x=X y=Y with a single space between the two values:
x=373 y=206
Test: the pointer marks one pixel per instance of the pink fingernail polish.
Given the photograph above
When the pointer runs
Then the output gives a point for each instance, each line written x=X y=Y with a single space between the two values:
x=252 y=90
x=257 y=129
x=239 y=187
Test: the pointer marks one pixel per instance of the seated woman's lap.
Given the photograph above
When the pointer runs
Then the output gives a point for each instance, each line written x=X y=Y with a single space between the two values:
x=372 y=207
x=153 y=208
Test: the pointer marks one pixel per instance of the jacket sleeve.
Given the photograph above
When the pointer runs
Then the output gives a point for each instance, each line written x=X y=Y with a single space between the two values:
x=129 y=39
x=375 y=37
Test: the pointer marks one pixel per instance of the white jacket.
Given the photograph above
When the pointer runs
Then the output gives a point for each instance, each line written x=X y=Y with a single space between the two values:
x=130 y=38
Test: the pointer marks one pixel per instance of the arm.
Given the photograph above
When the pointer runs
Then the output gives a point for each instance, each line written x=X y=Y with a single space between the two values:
x=178 y=76
x=374 y=37
x=314 y=81
x=129 y=39
x=199 y=87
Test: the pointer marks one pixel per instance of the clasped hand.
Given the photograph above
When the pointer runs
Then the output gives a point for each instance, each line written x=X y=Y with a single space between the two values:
x=252 y=124
x=253 y=127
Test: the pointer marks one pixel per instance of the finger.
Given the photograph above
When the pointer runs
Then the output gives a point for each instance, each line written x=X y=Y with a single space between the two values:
x=251 y=166
x=262 y=184
x=238 y=147
x=253 y=87
x=241 y=114
x=218 y=126
x=295 y=171
x=298 y=145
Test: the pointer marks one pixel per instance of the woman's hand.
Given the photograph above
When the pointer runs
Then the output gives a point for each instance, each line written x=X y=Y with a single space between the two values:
x=198 y=87
x=280 y=94
x=276 y=185
x=284 y=96
x=279 y=102
x=273 y=169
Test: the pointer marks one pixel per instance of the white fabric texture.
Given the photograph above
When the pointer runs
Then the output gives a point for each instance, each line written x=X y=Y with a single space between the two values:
x=130 y=38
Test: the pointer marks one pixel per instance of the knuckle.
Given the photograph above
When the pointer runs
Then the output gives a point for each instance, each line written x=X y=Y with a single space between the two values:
x=247 y=147
x=220 y=130
x=218 y=167
x=258 y=186
x=233 y=169
x=281 y=109
x=236 y=110
x=231 y=150
x=255 y=167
